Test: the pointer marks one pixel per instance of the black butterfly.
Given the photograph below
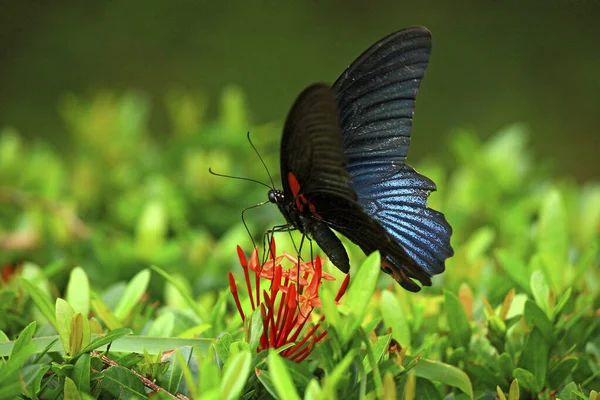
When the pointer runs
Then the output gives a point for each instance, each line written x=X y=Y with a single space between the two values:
x=343 y=167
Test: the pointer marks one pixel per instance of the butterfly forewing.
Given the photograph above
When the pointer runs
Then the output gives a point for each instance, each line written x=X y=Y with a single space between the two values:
x=311 y=147
x=376 y=97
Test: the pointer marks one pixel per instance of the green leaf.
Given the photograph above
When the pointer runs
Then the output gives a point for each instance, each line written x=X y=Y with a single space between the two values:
x=163 y=325
x=133 y=293
x=78 y=291
x=559 y=372
x=515 y=267
x=14 y=363
x=64 y=315
x=174 y=374
x=541 y=291
x=444 y=373
x=569 y=391
x=81 y=373
x=211 y=374
x=340 y=372
x=102 y=311
x=378 y=351
x=535 y=317
x=41 y=300
x=106 y=339
x=361 y=289
x=526 y=379
x=201 y=313
x=313 y=390
x=24 y=338
x=500 y=394
x=256 y=329
x=222 y=345
x=513 y=392
x=458 y=323
x=394 y=317
x=281 y=377
x=123 y=383
x=70 y=390
x=31 y=376
x=553 y=240
x=534 y=357
x=235 y=374
x=560 y=304
x=80 y=333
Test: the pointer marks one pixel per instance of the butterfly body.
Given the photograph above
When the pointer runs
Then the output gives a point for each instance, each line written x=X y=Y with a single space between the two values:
x=343 y=168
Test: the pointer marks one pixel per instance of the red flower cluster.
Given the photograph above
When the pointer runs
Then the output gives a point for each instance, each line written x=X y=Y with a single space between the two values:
x=288 y=301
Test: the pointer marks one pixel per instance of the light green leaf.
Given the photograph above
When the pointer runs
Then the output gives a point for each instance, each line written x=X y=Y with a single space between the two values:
x=394 y=317
x=133 y=293
x=444 y=373
x=78 y=291
x=41 y=300
x=64 y=316
x=541 y=291
x=70 y=391
x=235 y=374
x=282 y=380
x=357 y=298
x=552 y=237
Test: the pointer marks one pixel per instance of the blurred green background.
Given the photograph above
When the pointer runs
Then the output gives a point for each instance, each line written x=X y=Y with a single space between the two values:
x=493 y=63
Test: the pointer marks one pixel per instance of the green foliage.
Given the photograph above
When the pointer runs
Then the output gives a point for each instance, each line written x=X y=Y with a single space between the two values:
x=126 y=242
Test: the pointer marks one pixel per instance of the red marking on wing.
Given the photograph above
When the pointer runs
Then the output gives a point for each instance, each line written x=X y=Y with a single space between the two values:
x=299 y=198
x=294 y=185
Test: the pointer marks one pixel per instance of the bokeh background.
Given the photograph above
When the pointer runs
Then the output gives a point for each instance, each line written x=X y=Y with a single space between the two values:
x=493 y=63
x=111 y=114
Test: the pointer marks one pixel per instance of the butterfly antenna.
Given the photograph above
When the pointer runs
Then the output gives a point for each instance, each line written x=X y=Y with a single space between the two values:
x=239 y=178
x=246 y=225
x=261 y=160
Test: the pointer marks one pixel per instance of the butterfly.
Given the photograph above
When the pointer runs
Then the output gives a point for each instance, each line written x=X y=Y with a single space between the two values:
x=343 y=153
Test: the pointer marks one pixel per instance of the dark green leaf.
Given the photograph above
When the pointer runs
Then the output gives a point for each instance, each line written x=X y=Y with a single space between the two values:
x=31 y=377
x=559 y=372
x=534 y=358
x=81 y=373
x=535 y=317
x=123 y=383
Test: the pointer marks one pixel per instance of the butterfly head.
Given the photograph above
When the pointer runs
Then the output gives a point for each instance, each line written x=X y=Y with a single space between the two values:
x=276 y=196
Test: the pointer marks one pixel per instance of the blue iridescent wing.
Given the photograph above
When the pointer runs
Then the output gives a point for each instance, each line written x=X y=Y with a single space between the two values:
x=376 y=99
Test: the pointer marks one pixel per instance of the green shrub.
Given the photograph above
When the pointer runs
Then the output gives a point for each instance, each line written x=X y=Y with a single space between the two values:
x=117 y=247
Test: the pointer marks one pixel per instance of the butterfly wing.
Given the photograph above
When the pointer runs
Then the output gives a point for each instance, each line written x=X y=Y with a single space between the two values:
x=376 y=98
x=312 y=156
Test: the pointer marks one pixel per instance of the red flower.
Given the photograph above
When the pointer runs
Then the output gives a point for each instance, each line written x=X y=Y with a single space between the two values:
x=288 y=303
